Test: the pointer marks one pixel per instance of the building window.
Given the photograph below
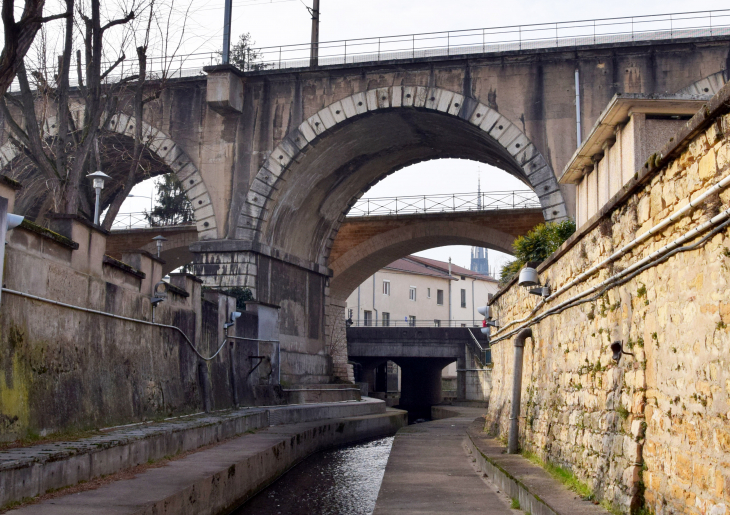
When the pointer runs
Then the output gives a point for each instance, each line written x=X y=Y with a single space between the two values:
x=412 y=293
x=386 y=287
x=411 y=321
x=463 y=298
x=386 y=319
x=437 y=323
x=440 y=297
x=428 y=292
x=463 y=325
x=463 y=278
x=368 y=318
x=349 y=313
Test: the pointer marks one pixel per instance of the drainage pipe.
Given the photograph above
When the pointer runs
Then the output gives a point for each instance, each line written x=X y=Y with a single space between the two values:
x=577 y=107
x=724 y=183
x=514 y=419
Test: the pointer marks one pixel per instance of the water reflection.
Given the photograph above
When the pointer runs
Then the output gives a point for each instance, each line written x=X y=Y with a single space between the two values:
x=342 y=481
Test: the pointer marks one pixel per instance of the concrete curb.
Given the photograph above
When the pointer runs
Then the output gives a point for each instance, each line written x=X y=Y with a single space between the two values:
x=220 y=479
x=31 y=471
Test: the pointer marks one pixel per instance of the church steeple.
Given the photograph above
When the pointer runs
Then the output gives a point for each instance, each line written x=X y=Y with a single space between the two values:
x=479 y=255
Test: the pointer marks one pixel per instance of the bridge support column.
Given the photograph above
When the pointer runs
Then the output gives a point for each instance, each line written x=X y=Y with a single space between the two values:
x=420 y=384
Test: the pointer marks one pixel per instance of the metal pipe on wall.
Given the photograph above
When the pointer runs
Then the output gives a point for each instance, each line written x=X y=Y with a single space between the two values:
x=577 y=107
x=227 y=32
x=514 y=419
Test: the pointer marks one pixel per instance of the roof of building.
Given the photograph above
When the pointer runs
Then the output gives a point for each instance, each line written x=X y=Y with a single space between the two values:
x=617 y=112
x=424 y=266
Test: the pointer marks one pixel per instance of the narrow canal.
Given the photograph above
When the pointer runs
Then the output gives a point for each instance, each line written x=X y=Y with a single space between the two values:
x=343 y=481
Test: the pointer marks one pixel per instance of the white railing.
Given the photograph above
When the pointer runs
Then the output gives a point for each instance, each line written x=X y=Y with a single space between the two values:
x=456 y=202
x=416 y=323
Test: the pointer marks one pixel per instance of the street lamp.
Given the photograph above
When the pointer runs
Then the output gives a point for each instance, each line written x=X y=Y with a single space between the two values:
x=98 y=186
x=158 y=240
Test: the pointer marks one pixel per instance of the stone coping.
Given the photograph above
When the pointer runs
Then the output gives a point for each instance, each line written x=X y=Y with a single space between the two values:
x=26 y=472
x=108 y=260
x=48 y=234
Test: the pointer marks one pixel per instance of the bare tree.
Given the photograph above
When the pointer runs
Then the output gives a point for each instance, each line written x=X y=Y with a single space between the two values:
x=19 y=35
x=63 y=156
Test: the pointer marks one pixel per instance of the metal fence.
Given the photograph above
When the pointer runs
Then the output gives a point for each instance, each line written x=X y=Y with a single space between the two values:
x=416 y=323
x=497 y=39
x=138 y=221
x=568 y=34
x=456 y=202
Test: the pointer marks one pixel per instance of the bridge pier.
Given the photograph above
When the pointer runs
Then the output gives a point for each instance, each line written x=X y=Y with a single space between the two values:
x=420 y=384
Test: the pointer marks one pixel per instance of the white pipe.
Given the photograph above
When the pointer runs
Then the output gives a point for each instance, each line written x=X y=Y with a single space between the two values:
x=577 y=107
x=689 y=235
x=724 y=183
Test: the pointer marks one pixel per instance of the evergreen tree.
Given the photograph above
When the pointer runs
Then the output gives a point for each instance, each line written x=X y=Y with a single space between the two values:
x=244 y=57
x=173 y=206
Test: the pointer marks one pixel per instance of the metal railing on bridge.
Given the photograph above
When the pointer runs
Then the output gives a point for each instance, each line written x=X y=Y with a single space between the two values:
x=496 y=39
x=455 y=202
x=415 y=323
x=656 y=27
x=140 y=221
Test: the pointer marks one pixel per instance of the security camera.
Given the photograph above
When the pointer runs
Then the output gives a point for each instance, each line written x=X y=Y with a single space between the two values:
x=234 y=316
x=485 y=311
x=14 y=220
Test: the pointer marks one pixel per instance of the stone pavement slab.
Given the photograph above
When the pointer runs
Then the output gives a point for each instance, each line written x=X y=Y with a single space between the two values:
x=429 y=472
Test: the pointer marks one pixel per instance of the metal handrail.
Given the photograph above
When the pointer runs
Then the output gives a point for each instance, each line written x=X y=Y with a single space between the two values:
x=455 y=202
x=598 y=31
x=418 y=323
x=652 y=27
x=139 y=221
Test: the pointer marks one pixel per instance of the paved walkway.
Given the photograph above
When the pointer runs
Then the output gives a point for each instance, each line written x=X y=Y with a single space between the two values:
x=429 y=471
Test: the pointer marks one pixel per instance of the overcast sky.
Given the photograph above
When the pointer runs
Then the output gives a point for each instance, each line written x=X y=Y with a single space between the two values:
x=284 y=22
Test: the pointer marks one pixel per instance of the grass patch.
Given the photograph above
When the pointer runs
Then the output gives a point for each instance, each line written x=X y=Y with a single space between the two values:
x=562 y=474
x=515 y=504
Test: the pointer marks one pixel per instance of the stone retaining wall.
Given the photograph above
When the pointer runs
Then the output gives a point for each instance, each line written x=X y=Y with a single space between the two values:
x=653 y=428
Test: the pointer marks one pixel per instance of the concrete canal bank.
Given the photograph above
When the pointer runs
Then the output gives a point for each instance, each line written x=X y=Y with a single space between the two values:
x=220 y=478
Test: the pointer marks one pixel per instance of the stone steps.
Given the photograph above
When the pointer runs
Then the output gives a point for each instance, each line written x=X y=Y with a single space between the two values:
x=31 y=471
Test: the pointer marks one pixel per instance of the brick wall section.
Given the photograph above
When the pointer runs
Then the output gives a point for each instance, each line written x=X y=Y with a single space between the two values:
x=655 y=427
x=356 y=231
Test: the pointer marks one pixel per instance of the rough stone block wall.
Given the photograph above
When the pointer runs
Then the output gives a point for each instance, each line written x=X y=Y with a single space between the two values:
x=655 y=427
x=66 y=370
x=336 y=338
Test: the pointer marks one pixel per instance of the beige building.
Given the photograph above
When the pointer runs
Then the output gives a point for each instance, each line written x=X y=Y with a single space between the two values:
x=630 y=127
x=416 y=291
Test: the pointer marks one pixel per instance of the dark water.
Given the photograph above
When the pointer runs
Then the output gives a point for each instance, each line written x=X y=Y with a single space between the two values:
x=342 y=481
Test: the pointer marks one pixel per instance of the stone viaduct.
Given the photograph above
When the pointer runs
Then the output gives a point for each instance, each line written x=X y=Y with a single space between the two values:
x=272 y=160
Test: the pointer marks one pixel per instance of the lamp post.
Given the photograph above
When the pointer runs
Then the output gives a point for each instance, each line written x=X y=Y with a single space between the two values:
x=158 y=240
x=98 y=178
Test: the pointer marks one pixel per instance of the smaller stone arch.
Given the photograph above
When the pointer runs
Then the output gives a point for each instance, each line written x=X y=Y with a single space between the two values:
x=706 y=87
x=167 y=150
x=262 y=195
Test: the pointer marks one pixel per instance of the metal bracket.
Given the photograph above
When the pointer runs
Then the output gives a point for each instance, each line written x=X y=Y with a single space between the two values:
x=261 y=360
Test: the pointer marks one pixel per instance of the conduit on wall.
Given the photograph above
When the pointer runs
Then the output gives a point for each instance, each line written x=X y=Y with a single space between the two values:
x=724 y=183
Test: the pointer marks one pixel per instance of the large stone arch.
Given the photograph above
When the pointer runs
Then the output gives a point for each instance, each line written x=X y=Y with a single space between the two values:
x=168 y=151
x=299 y=213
